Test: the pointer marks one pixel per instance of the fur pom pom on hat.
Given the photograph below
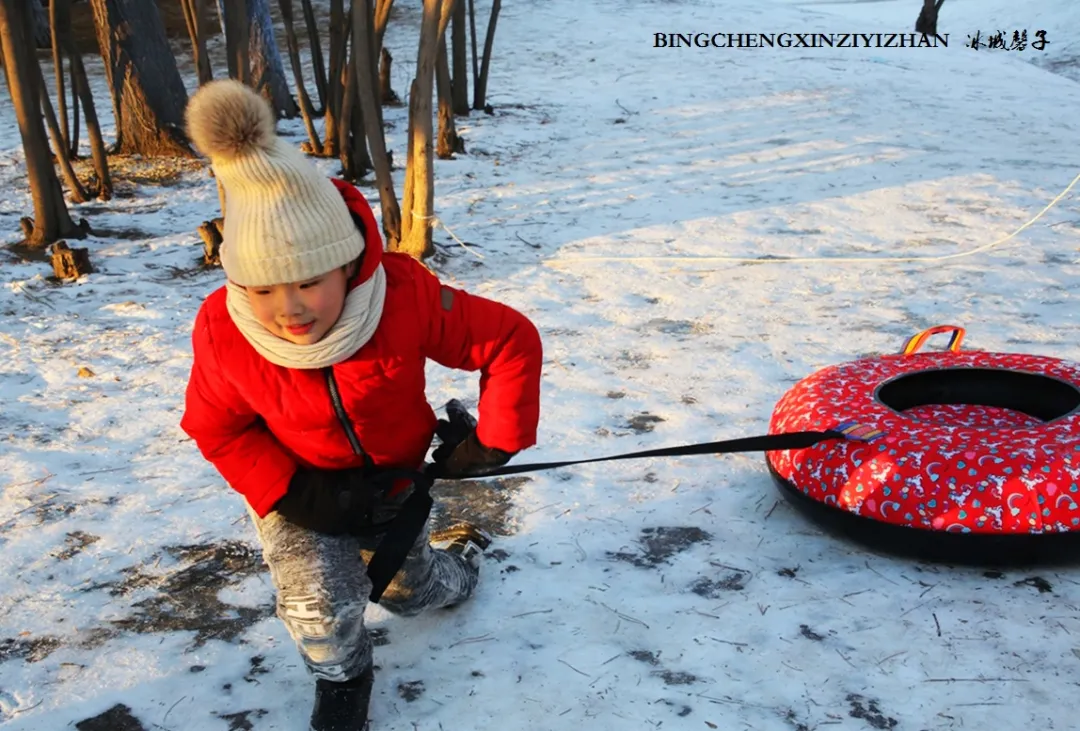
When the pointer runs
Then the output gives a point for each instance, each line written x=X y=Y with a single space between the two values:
x=284 y=220
x=227 y=119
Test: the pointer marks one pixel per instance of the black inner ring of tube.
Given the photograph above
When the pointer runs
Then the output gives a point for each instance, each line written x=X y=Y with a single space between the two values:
x=1042 y=397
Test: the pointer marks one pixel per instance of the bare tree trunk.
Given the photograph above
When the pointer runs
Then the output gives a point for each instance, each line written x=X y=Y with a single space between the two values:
x=211 y=234
x=74 y=111
x=233 y=15
x=364 y=58
x=194 y=16
x=361 y=160
x=448 y=142
x=358 y=129
x=80 y=84
x=58 y=67
x=926 y=23
x=480 y=92
x=148 y=94
x=421 y=204
x=42 y=37
x=51 y=221
x=306 y=110
x=386 y=92
x=206 y=73
x=460 y=54
x=267 y=70
x=344 y=107
x=408 y=218
x=472 y=34
x=382 y=18
x=317 y=61
x=351 y=143
x=446 y=11
x=78 y=192
x=93 y=131
x=334 y=89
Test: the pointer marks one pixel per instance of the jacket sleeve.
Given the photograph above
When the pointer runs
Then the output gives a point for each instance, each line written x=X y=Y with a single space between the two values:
x=471 y=333
x=229 y=434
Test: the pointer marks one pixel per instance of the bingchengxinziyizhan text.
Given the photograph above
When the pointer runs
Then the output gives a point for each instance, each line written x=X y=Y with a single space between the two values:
x=800 y=40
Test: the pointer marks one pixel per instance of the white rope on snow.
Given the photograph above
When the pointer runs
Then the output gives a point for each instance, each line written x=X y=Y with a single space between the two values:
x=825 y=259
x=436 y=221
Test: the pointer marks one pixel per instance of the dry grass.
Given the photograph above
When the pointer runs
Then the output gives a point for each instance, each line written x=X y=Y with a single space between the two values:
x=137 y=170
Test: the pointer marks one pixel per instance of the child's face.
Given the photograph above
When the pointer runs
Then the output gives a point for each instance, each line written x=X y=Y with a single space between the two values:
x=301 y=312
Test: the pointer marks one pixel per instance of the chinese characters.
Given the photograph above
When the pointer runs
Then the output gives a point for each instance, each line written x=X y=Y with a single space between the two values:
x=1001 y=40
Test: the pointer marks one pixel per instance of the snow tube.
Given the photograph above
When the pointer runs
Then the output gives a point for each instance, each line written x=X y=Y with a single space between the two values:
x=975 y=456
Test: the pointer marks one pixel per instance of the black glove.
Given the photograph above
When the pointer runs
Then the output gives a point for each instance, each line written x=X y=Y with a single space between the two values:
x=461 y=453
x=327 y=501
x=452 y=431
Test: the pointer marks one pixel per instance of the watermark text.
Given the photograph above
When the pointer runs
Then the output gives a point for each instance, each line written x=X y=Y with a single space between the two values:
x=1002 y=41
x=800 y=40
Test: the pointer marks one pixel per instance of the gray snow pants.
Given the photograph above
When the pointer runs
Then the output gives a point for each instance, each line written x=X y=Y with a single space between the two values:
x=323 y=588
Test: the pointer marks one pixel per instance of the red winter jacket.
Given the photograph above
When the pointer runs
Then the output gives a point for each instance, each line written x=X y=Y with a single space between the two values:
x=256 y=421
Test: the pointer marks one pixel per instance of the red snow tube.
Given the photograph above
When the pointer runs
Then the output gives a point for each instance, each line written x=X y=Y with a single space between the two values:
x=979 y=460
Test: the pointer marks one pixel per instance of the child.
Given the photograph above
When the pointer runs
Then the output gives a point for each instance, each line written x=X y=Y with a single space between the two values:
x=308 y=381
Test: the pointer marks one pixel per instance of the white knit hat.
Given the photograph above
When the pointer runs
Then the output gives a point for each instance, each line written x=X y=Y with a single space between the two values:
x=284 y=220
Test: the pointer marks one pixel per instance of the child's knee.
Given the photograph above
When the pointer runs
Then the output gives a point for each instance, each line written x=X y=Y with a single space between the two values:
x=334 y=643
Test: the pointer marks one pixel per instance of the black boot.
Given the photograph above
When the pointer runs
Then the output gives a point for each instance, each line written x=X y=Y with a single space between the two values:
x=343 y=706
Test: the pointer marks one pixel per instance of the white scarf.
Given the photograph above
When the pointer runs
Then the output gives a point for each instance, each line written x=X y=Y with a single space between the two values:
x=358 y=322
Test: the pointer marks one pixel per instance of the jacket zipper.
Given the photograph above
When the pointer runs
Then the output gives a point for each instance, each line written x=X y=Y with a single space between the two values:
x=343 y=418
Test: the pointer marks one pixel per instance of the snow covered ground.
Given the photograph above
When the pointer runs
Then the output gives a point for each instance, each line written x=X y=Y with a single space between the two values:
x=675 y=593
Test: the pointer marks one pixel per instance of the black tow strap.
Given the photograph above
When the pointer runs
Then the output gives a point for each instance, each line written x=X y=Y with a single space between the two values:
x=402 y=532
x=766 y=443
x=406 y=527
